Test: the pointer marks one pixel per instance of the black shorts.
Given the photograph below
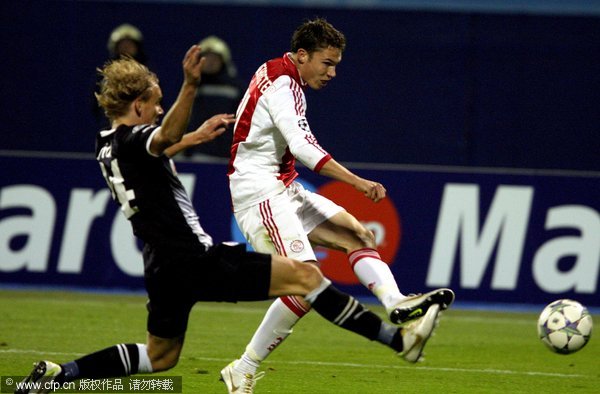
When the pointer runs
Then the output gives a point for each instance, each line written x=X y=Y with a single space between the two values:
x=176 y=280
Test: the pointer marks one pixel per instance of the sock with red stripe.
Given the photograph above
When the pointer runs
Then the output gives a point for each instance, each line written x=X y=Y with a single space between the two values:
x=275 y=327
x=376 y=275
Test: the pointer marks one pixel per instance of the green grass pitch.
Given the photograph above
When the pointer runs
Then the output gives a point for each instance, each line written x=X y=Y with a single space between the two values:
x=471 y=352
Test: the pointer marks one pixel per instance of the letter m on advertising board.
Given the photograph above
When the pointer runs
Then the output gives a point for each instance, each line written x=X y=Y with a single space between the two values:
x=461 y=236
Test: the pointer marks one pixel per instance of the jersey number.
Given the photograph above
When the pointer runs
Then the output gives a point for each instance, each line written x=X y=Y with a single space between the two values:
x=116 y=184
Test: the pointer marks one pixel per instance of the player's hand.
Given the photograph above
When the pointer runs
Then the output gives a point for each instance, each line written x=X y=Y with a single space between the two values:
x=192 y=65
x=210 y=129
x=372 y=190
x=376 y=192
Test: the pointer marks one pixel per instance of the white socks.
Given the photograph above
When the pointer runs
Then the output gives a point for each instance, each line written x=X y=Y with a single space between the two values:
x=277 y=324
x=376 y=275
x=144 y=366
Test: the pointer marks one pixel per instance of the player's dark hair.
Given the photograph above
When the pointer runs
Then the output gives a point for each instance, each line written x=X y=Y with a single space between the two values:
x=317 y=34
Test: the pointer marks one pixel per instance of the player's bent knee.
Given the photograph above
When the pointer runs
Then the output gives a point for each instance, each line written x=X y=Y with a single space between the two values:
x=165 y=362
x=292 y=277
x=366 y=237
x=164 y=353
x=309 y=275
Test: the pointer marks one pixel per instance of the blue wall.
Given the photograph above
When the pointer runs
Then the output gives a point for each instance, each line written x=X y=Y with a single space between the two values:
x=494 y=236
x=419 y=87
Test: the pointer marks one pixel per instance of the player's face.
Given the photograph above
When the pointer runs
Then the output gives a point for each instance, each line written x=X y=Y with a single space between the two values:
x=318 y=68
x=151 y=110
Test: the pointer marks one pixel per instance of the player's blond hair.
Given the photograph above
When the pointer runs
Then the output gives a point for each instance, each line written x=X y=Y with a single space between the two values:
x=123 y=81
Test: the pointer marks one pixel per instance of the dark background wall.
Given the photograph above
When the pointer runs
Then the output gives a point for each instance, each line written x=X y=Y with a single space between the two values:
x=414 y=87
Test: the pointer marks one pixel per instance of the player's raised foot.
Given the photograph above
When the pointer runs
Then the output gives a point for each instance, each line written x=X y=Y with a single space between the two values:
x=238 y=382
x=414 y=307
x=40 y=379
x=416 y=334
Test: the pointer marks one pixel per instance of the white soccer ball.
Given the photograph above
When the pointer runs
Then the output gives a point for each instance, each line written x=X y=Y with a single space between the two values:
x=565 y=326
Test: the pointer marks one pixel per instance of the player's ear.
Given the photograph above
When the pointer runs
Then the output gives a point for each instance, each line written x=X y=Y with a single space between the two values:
x=137 y=106
x=302 y=56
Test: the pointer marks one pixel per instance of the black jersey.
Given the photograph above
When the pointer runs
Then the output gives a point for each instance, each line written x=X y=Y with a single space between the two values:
x=147 y=188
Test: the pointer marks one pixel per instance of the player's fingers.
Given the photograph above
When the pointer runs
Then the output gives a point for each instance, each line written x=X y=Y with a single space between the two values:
x=378 y=192
x=223 y=119
x=371 y=194
x=224 y=116
x=217 y=126
x=212 y=134
x=199 y=63
x=189 y=54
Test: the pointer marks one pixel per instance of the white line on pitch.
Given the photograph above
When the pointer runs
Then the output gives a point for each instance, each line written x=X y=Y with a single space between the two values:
x=443 y=369
x=341 y=364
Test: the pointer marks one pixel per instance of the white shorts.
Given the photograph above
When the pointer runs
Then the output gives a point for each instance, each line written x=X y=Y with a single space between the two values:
x=281 y=224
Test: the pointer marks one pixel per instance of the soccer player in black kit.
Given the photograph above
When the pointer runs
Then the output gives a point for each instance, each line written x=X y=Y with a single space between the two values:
x=182 y=265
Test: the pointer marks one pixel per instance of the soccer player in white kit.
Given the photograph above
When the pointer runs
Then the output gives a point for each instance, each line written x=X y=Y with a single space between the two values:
x=276 y=214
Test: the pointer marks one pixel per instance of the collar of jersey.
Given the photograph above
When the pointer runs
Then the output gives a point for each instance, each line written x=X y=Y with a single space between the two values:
x=104 y=133
x=289 y=64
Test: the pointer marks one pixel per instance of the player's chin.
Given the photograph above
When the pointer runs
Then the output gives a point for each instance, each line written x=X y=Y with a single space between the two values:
x=319 y=85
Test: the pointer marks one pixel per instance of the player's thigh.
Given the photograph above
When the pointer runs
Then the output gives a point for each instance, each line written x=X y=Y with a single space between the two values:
x=227 y=272
x=170 y=296
x=342 y=232
x=292 y=277
x=273 y=226
x=314 y=209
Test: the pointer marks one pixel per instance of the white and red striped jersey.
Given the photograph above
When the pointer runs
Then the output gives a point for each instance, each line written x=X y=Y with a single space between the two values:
x=270 y=133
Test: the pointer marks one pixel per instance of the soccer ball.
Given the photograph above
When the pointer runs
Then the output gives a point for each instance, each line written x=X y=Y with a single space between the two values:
x=565 y=326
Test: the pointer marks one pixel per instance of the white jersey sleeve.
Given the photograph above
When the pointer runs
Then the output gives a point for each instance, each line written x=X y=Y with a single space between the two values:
x=286 y=103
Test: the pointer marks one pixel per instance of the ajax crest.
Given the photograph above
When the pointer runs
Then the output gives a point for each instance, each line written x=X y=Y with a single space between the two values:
x=297 y=246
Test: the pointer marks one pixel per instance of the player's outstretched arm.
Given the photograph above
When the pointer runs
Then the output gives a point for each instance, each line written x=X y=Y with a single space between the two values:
x=176 y=120
x=373 y=190
x=208 y=131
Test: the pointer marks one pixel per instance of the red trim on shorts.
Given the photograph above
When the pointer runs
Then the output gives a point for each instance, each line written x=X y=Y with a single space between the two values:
x=359 y=254
x=292 y=303
x=271 y=226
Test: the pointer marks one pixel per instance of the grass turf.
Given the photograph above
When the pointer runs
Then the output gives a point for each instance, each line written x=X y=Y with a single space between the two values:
x=471 y=352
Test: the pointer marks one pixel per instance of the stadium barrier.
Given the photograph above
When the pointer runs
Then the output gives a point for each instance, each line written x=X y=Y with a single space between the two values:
x=493 y=235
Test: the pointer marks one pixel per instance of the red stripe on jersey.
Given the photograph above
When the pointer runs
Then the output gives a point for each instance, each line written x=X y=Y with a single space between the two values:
x=298 y=103
x=287 y=168
x=359 y=254
x=269 y=223
x=242 y=127
x=310 y=138
x=294 y=305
